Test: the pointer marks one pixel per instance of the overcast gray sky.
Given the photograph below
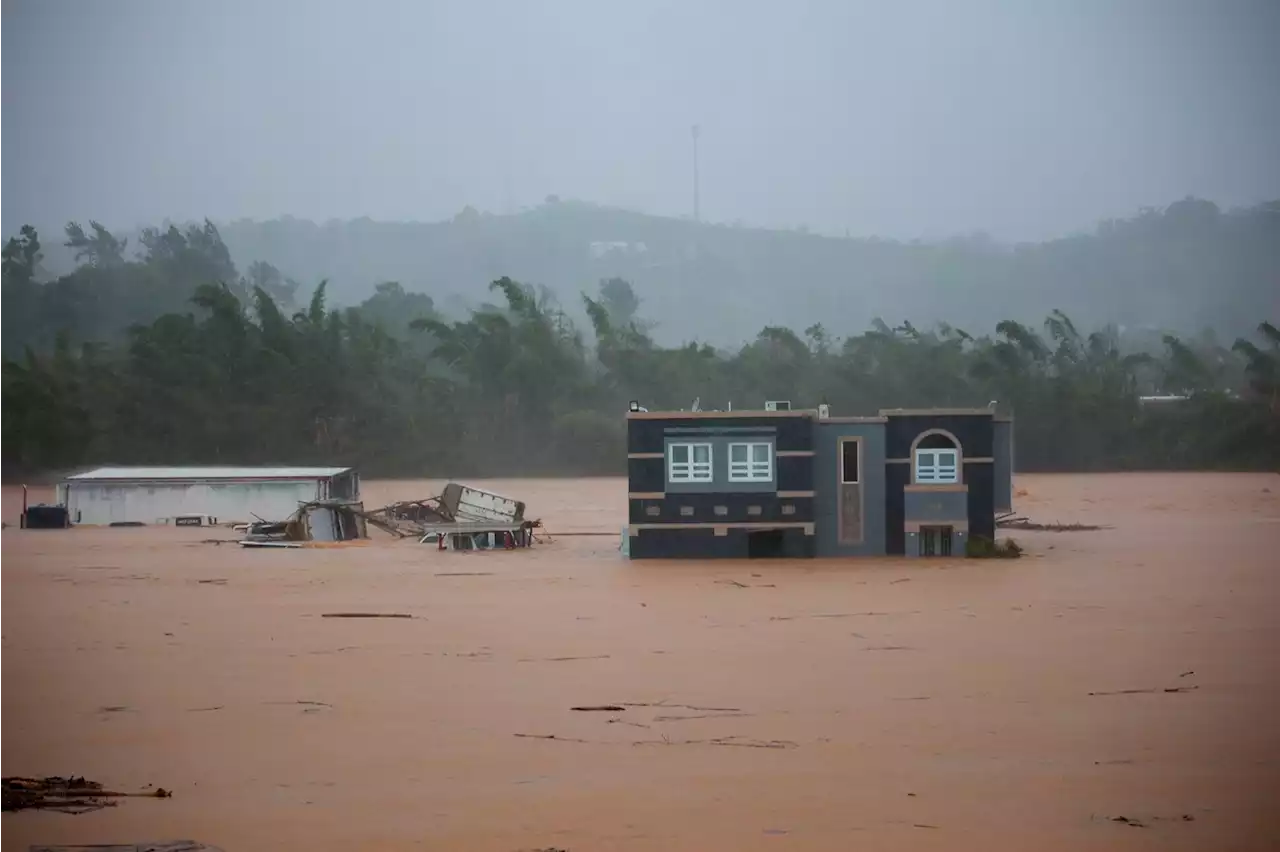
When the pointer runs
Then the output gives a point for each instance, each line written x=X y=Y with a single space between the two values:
x=1024 y=118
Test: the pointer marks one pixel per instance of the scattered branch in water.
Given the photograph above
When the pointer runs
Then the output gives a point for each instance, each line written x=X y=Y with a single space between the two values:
x=561 y=659
x=366 y=615
x=621 y=721
x=1147 y=691
x=602 y=708
x=681 y=706
x=723 y=741
x=551 y=737
x=1021 y=523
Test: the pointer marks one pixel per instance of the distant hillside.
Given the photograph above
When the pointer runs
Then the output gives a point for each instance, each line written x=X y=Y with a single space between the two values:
x=1184 y=268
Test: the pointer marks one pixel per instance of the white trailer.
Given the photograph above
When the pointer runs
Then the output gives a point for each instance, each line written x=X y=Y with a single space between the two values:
x=149 y=495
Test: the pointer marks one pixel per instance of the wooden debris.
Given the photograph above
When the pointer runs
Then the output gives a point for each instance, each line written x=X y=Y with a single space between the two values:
x=664 y=704
x=561 y=659
x=1153 y=689
x=1018 y=522
x=72 y=795
x=366 y=615
x=550 y=737
x=601 y=708
x=724 y=741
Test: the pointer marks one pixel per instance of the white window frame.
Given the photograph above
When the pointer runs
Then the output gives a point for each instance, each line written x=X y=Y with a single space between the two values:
x=937 y=471
x=690 y=470
x=751 y=470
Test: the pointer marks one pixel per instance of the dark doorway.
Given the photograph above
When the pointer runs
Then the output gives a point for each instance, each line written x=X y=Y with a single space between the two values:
x=766 y=544
x=935 y=541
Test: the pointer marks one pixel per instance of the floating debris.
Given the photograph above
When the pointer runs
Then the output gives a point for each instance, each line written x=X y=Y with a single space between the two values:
x=601 y=708
x=73 y=795
x=1017 y=522
x=316 y=523
x=460 y=518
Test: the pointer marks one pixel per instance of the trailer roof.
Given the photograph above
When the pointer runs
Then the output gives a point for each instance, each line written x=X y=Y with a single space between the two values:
x=197 y=473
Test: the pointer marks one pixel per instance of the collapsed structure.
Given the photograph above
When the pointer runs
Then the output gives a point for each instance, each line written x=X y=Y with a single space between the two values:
x=787 y=483
x=315 y=521
x=461 y=518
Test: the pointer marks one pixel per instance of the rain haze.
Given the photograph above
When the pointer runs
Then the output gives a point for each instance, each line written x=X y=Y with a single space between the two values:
x=900 y=120
x=666 y=424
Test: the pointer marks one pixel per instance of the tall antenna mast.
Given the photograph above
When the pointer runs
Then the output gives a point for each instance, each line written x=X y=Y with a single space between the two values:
x=697 y=211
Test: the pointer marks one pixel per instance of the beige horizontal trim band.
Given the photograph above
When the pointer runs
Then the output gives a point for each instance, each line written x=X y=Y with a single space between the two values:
x=942 y=486
x=958 y=526
x=878 y=419
x=711 y=415
x=784 y=454
x=965 y=460
x=944 y=412
x=662 y=495
x=743 y=525
x=646 y=455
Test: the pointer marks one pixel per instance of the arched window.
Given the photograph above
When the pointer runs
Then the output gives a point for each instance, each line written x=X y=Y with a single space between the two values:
x=935 y=459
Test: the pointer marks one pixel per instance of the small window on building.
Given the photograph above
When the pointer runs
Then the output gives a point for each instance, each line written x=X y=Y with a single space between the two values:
x=686 y=511
x=753 y=510
x=788 y=509
x=751 y=462
x=721 y=511
x=849 y=462
x=937 y=461
x=652 y=511
x=688 y=462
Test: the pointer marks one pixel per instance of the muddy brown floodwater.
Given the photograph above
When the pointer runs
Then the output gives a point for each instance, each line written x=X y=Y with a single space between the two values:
x=824 y=705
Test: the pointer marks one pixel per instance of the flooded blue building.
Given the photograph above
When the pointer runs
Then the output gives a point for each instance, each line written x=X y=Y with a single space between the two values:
x=801 y=483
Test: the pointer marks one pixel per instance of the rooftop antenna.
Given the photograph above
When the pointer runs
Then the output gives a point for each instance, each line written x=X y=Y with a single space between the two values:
x=697 y=206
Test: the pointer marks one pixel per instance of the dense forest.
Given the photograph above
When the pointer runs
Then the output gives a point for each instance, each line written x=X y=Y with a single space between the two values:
x=1182 y=268
x=175 y=357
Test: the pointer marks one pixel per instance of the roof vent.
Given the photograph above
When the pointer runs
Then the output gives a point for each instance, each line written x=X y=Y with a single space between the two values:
x=824 y=411
x=777 y=405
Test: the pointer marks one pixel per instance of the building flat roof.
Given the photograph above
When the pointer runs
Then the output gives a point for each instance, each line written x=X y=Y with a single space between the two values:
x=199 y=473
x=812 y=414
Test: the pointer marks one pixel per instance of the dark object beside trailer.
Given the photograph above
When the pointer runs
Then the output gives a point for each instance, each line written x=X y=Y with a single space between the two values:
x=42 y=517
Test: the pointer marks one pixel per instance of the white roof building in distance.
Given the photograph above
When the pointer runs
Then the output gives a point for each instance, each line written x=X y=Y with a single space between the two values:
x=206 y=473
x=148 y=495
